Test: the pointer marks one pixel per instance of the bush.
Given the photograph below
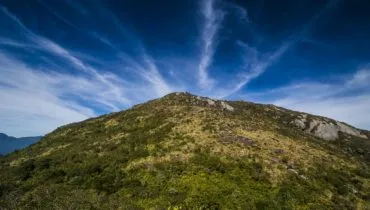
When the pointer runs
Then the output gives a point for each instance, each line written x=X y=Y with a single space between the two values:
x=339 y=181
x=25 y=170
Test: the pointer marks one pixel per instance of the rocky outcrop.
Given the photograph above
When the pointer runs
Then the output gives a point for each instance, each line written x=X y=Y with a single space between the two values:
x=226 y=106
x=198 y=100
x=324 y=128
x=300 y=123
x=210 y=102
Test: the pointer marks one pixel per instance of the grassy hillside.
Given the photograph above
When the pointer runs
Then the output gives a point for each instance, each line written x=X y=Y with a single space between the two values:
x=189 y=152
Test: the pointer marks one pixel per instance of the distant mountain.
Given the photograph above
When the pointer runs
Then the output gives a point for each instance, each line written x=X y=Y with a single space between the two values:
x=189 y=152
x=10 y=144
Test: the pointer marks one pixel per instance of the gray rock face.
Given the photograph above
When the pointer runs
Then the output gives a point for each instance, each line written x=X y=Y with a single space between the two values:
x=325 y=129
x=300 y=123
x=226 y=106
x=346 y=129
x=210 y=102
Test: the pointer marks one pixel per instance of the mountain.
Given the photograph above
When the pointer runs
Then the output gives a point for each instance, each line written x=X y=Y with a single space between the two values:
x=10 y=144
x=189 y=152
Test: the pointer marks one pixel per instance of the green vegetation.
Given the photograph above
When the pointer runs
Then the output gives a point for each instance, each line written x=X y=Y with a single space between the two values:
x=179 y=152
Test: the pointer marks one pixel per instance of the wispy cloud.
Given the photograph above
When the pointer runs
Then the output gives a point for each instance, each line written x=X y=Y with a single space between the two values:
x=9 y=42
x=56 y=14
x=67 y=84
x=253 y=68
x=212 y=22
x=89 y=32
x=349 y=109
x=239 y=11
x=29 y=95
x=59 y=97
x=154 y=77
x=360 y=79
x=149 y=72
x=347 y=99
x=255 y=65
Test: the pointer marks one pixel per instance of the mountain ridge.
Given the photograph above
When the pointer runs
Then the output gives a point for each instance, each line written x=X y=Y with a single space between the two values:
x=184 y=151
x=10 y=143
x=299 y=122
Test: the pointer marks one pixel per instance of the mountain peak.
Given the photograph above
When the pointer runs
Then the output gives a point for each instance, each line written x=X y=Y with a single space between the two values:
x=2 y=135
x=185 y=151
x=196 y=100
x=321 y=127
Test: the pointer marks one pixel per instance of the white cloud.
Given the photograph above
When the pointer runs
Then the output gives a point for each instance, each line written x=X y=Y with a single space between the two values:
x=212 y=22
x=342 y=101
x=154 y=77
x=256 y=63
x=31 y=102
x=257 y=66
x=52 y=97
x=360 y=79
x=351 y=109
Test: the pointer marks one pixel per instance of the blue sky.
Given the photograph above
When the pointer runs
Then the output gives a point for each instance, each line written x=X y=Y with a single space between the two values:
x=65 y=61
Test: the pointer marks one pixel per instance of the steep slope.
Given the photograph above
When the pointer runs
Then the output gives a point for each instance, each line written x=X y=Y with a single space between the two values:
x=184 y=151
x=10 y=144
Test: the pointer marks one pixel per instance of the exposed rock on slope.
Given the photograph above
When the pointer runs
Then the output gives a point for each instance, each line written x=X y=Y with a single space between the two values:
x=198 y=100
x=325 y=128
x=190 y=152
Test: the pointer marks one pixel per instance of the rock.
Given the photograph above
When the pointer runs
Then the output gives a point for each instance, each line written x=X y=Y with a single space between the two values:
x=277 y=109
x=172 y=190
x=325 y=129
x=299 y=123
x=293 y=171
x=278 y=151
x=199 y=100
x=321 y=129
x=349 y=130
x=245 y=140
x=226 y=106
x=274 y=160
x=291 y=166
x=210 y=102
x=303 y=177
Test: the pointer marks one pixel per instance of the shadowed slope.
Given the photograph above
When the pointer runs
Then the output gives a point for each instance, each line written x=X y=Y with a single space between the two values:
x=10 y=144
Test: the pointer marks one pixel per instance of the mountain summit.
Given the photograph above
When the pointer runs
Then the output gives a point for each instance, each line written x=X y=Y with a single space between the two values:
x=189 y=152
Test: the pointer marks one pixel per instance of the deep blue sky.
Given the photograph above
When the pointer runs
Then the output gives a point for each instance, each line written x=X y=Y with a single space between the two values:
x=65 y=61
